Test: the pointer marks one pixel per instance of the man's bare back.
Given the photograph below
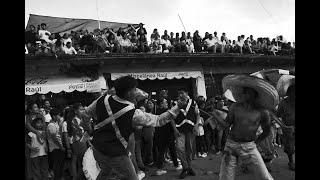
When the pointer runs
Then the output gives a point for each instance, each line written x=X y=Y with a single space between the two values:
x=244 y=121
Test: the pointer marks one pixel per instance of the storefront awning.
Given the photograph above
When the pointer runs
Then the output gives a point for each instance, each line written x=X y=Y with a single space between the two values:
x=56 y=84
x=159 y=75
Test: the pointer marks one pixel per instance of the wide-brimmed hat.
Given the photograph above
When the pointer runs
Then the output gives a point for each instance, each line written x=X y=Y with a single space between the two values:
x=267 y=94
x=284 y=83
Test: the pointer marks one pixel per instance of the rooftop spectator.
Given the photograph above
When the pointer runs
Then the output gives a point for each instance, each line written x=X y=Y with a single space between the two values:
x=156 y=46
x=31 y=36
x=183 y=42
x=211 y=44
x=68 y=49
x=165 y=33
x=43 y=49
x=154 y=34
x=125 y=45
x=176 y=43
x=172 y=39
x=166 y=45
x=197 y=41
x=239 y=45
x=44 y=33
x=141 y=31
x=65 y=39
x=189 y=43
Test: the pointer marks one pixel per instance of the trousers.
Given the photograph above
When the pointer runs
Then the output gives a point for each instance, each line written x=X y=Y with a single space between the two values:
x=249 y=155
x=184 y=148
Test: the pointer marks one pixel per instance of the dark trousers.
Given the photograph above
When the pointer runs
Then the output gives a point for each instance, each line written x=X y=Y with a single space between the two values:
x=164 y=139
x=39 y=168
x=200 y=144
x=147 y=135
x=121 y=165
x=184 y=148
x=209 y=137
x=58 y=157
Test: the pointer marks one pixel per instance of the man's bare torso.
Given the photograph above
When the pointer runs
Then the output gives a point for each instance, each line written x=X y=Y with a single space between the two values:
x=246 y=122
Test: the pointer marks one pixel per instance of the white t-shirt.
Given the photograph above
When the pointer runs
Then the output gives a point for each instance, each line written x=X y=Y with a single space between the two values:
x=70 y=50
x=35 y=143
x=125 y=42
x=240 y=43
x=166 y=42
x=47 y=118
x=54 y=129
x=64 y=41
x=210 y=43
x=42 y=35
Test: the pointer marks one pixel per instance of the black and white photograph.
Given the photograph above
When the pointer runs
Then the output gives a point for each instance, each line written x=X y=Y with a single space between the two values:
x=159 y=90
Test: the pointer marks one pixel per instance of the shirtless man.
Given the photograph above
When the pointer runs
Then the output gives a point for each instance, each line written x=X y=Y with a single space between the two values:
x=286 y=112
x=244 y=117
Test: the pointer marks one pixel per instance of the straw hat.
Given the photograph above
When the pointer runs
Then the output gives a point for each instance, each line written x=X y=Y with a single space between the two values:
x=267 y=94
x=284 y=83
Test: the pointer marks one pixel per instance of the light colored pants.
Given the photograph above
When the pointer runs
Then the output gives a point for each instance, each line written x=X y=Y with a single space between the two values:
x=249 y=155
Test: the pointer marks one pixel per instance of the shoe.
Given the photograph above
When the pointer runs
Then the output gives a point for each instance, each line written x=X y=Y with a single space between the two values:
x=183 y=174
x=292 y=166
x=149 y=164
x=218 y=153
x=204 y=155
x=179 y=167
x=199 y=155
x=141 y=175
x=191 y=172
x=160 y=172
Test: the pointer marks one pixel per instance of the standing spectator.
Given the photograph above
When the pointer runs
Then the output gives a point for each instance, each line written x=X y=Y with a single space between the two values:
x=221 y=112
x=148 y=134
x=34 y=112
x=143 y=44
x=38 y=155
x=142 y=32
x=197 y=41
x=65 y=39
x=78 y=144
x=189 y=43
x=164 y=138
x=176 y=43
x=55 y=144
x=200 y=140
x=44 y=33
x=183 y=42
x=31 y=36
x=68 y=49
x=172 y=39
x=125 y=45
x=165 y=34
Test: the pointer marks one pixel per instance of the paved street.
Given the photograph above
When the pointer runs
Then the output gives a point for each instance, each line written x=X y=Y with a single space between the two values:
x=209 y=169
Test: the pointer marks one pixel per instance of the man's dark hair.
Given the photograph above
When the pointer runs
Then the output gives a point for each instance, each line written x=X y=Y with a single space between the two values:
x=35 y=121
x=43 y=24
x=182 y=90
x=54 y=112
x=124 y=84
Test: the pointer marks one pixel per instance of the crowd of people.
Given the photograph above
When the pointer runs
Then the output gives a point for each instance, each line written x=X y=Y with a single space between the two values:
x=57 y=138
x=39 y=41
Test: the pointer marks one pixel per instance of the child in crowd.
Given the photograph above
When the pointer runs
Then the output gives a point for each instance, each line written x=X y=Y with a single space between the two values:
x=200 y=141
x=38 y=155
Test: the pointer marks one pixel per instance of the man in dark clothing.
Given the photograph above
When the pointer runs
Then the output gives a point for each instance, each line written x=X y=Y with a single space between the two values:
x=185 y=123
x=31 y=36
x=164 y=138
x=116 y=118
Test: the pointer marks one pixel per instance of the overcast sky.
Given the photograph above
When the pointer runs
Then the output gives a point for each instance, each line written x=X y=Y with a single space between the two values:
x=261 y=18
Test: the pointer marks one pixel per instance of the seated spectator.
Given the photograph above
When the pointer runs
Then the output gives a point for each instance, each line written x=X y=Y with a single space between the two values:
x=233 y=46
x=44 y=33
x=225 y=37
x=166 y=45
x=68 y=49
x=156 y=46
x=211 y=44
x=247 y=47
x=154 y=35
x=224 y=45
x=239 y=45
x=43 y=49
x=125 y=45
x=65 y=39
x=165 y=34
x=273 y=48
x=197 y=41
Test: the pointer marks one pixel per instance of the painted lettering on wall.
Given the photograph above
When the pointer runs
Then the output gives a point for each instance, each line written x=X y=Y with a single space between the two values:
x=33 y=89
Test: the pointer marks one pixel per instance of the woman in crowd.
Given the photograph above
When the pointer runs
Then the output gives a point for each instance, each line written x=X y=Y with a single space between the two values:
x=147 y=134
